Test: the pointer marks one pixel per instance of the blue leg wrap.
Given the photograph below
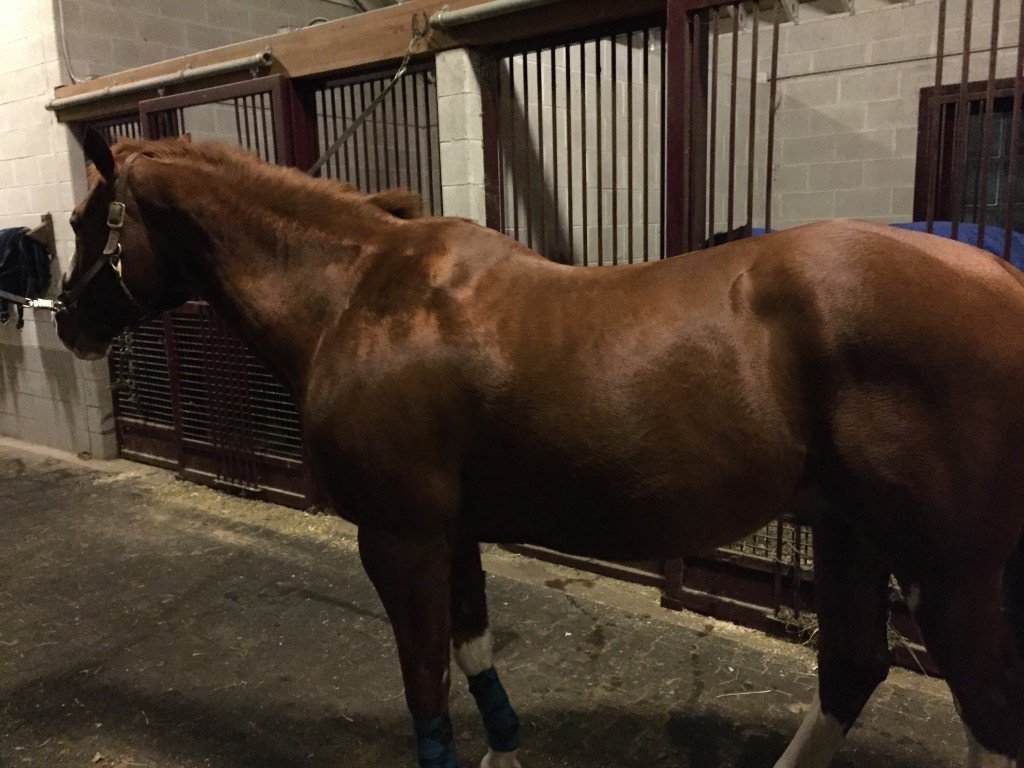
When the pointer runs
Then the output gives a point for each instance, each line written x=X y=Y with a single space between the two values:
x=435 y=745
x=500 y=719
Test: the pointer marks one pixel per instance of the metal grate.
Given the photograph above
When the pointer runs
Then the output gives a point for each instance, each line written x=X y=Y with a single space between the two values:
x=782 y=542
x=398 y=146
x=580 y=128
x=142 y=382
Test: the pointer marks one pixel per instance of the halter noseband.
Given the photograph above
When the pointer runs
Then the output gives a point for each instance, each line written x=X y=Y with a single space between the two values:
x=111 y=252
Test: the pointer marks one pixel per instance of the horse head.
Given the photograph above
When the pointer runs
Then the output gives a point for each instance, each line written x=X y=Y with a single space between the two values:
x=116 y=278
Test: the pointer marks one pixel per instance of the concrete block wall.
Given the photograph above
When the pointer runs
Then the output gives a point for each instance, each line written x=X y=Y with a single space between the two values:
x=459 y=109
x=46 y=396
x=849 y=90
x=104 y=38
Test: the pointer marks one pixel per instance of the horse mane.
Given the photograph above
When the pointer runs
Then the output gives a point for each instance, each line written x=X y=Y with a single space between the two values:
x=400 y=203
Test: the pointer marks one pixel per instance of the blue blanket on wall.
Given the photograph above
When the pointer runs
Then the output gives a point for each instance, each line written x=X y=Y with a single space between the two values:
x=994 y=242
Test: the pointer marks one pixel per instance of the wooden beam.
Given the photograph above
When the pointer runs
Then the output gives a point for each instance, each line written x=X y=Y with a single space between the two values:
x=368 y=39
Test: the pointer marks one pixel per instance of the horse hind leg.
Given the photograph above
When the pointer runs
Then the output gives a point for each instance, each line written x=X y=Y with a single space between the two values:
x=473 y=647
x=960 y=614
x=853 y=654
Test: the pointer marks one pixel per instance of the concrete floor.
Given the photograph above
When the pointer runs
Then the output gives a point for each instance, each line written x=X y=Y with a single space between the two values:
x=149 y=622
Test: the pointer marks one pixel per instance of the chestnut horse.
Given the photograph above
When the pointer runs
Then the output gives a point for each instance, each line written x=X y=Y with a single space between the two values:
x=457 y=388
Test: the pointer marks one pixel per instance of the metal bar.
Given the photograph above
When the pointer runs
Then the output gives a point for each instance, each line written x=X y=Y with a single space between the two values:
x=986 y=130
x=699 y=142
x=376 y=139
x=258 y=61
x=934 y=124
x=417 y=133
x=394 y=136
x=661 y=146
x=513 y=145
x=432 y=144
x=615 y=148
x=541 y=198
x=629 y=146
x=960 y=129
x=686 y=96
x=772 y=109
x=568 y=156
x=246 y=136
x=732 y=120
x=528 y=218
x=1011 y=187
x=584 y=130
x=557 y=212
x=490 y=120
x=600 y=153
x=382 y=141
x=366 y=138
x=405 y=122
x=269 y=145
x=647 y=142
x=346 y=155
x=753 y=121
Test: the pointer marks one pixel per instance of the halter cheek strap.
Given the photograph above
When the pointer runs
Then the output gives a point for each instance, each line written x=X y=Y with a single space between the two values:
x=112 y=250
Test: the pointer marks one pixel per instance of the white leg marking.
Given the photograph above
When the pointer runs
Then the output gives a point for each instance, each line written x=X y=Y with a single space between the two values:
x=500 y=760
x=476 y=655
x=979 y=757
x=815 y=743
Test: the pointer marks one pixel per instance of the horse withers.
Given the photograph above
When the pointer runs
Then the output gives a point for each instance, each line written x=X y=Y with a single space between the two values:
x=456 y=388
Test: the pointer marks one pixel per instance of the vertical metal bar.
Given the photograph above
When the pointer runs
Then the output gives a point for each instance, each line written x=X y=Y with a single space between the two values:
x=541 y=197
x=663 y=190
x=584 y=130
x=375 y=86
x=647 y=143
x=490 y=119
x=614 y=41
x=251 y=101
x=245 y=120
x=568 y=155
x=513 y=146
x=394 y=137
x=772 y=108
x=600 y=154
x=405 y=122
x=685 y=94
x=556 y=214
x=268 y=145
x=528 y=218
x=417 y=133
x=677 y=149
x=753 y=120
x=382 y=140
x=338 y=99
x=430 y=100
x=501 y=116
x=960 y=130
x=732 y=119
x=630 y=38
x=366 y=138
x=1011 y=187
x=937 y=108
x=986 y=130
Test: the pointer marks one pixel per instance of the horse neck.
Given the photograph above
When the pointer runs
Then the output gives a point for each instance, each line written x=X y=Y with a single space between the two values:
x=279 y=281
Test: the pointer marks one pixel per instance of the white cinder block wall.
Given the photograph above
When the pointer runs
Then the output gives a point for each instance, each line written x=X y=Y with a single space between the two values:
x=849 y=89
x=105 y=37
x=46 y=396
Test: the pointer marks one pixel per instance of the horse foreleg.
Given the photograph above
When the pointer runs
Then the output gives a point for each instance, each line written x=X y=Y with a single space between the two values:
x=411 y=576
x=473 y=646
x=853 y=653
x=961 y=618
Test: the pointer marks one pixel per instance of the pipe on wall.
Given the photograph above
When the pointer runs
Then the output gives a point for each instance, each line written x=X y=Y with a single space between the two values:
x=255 y=62
x=445 y=19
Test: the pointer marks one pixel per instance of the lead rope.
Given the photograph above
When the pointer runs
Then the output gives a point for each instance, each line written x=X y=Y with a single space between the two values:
x=418 y=33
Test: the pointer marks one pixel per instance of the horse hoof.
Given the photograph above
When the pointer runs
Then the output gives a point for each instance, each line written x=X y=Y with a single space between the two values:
x=500 y=760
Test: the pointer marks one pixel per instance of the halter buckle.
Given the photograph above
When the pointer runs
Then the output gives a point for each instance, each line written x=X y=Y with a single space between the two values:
x=115 y=215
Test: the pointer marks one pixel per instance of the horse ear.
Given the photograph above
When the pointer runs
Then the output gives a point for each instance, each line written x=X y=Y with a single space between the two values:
x=400 y=203
x=98 y=152
x=186 y=137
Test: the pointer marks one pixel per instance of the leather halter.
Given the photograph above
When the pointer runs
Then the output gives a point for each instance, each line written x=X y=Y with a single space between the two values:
x=111 y=252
